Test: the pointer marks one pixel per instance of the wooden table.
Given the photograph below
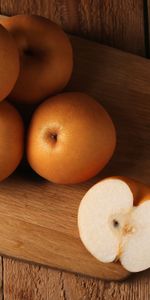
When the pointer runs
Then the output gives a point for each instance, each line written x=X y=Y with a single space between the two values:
x=124 y=26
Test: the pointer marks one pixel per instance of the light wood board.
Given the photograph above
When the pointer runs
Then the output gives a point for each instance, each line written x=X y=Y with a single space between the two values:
x=38 y=220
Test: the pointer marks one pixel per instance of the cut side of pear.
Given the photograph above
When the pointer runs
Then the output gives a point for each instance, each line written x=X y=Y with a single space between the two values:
x=112 y=228
x=136 y=245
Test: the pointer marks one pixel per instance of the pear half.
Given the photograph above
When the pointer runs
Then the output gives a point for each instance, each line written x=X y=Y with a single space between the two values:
x=114 y=222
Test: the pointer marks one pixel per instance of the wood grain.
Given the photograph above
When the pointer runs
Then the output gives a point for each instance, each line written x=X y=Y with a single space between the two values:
x=24 y=281
x=41 y=226
x=116 y=23
x=38 y=220
x=27 y=282
x=121 y=83
x=147 y=26
x=1 y=278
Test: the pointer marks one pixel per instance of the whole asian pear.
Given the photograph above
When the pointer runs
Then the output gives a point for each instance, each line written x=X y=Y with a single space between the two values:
x=9 y=63
x=71 y=138
x=11 y=139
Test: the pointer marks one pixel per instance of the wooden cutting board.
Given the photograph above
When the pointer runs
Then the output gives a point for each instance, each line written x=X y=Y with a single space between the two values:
x=38 y=219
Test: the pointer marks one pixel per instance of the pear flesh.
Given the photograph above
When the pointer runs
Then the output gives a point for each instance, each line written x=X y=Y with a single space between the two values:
x=112 y=228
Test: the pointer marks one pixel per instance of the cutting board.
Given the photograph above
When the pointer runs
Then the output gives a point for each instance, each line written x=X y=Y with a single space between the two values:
x=38 y=219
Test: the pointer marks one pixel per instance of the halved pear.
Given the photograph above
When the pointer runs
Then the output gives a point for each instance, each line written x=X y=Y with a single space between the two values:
x=114 y=222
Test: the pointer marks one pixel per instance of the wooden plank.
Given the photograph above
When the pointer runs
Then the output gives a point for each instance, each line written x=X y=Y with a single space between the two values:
x=147 y=26
x=24 y=281
x=38 y=220
x=1 y=278
x=121 y=83
x=116 y=23
x=40 y=226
